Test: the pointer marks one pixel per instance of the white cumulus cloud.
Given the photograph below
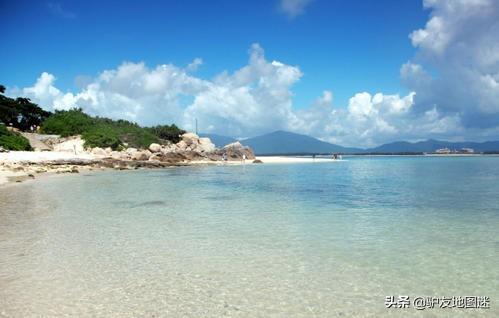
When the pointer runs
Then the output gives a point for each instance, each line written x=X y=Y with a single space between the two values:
x=255 y=99
x=460 y=45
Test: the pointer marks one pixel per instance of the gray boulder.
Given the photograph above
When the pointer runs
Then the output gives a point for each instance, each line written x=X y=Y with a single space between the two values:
x=182 y=145
x=190 y=138
x=99 y=151
x=154 y=148
x=168 y=148
x=156 y=157
x=131 y=151
x=141 y=155
x=236 y=151
x=205 y=145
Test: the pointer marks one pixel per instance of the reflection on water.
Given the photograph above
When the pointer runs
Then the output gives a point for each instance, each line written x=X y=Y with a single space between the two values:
x=295 y=240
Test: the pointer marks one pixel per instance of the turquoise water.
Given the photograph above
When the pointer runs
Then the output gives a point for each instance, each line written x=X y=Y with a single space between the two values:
x=272 y=240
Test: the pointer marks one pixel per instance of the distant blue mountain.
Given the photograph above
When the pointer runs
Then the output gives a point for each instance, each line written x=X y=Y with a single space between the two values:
x=219 y=140
x=283 y=142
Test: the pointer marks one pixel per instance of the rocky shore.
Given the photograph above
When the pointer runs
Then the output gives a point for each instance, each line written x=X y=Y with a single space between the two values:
x=68 y=155
x=190 y=148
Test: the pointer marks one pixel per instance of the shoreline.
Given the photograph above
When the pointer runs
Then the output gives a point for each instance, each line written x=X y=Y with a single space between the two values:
x=22 y=171
x=21 y=166
x=69 y=155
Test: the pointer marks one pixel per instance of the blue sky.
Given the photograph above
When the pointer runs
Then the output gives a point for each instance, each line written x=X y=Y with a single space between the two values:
x=357 y=73
x=345 y=45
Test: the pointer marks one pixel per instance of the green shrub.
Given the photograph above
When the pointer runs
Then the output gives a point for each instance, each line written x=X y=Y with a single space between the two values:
x=139 y=138
x=13 y=141
x=68 y=123
x=131 y=133
x=102 y=136
x=171 y=133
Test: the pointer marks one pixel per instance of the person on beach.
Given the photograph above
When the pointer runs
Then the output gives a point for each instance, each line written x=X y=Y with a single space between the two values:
x=244 y=158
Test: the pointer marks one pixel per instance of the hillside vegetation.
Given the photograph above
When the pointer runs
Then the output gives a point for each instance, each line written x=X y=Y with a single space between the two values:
x=105 y=132
x=12 y=141
x=20 y=112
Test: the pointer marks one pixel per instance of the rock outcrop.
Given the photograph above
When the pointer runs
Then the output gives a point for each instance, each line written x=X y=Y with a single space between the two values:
x=190 y=148
x=236 y=151
x=99 y=151
x=190 y=138
x=72 y=157
x=182 y=145
x=71 y=144
x=192 y=142
x=141 y=155
x=131 y=151
x=205 y=145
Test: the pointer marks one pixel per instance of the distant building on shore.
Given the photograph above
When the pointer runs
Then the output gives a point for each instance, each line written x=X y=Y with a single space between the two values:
x=447 y=151
x=443 y=151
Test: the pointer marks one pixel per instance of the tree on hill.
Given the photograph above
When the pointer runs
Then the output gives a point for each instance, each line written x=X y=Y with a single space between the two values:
x=20 y=113
x=171 y=133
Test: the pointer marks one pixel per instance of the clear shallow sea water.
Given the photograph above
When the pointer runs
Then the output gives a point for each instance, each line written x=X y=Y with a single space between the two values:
x=271 y=240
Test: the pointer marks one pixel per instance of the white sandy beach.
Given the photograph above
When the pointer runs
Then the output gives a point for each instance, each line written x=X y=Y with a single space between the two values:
x=42 y=156
x=37 y=157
